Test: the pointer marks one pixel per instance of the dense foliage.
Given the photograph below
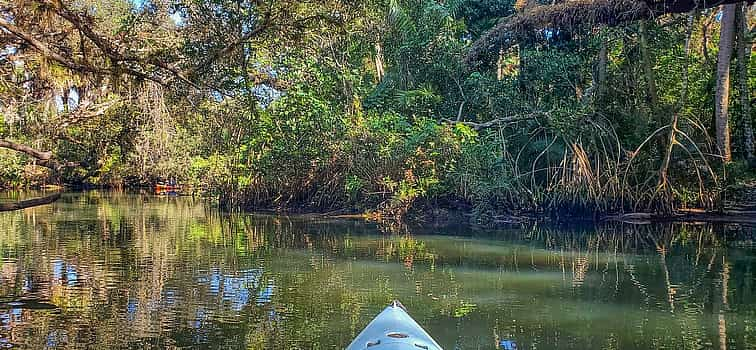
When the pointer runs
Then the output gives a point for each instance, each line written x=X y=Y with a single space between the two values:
x=373 y=105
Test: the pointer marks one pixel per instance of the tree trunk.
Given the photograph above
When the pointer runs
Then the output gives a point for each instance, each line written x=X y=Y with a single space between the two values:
x=29 y=203
x=600 y=73
x=705 y=42
x=722 y=98
x=744 y=55
x=686 y=74
x=652 y=97
x=379 y=70
x=648 y=71
x=522 y=77
x=500 y=65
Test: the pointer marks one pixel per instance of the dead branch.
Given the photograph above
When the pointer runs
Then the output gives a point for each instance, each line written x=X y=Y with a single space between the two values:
x=495 y=122
x=34 y=202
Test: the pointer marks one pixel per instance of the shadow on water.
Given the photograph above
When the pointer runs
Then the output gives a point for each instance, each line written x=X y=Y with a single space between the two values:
x=137 y=271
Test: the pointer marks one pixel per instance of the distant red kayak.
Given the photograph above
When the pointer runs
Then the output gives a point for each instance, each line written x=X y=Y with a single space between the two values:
x=161 y=187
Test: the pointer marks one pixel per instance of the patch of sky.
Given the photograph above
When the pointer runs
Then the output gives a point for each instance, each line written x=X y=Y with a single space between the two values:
x=219 y=11
x=217 y=95
x=266 y=95
x=8 y=50
x=178 y=17
x=268 y=69
x=549 y=33
x=138 y=3
x=247 y=27
x=71 y=102
x=8 y=17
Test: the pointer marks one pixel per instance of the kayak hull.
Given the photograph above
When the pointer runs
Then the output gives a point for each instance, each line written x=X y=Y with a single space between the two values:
x=393 y=329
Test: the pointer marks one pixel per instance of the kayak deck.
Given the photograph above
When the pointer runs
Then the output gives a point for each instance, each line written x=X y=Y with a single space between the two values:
x=393 y=329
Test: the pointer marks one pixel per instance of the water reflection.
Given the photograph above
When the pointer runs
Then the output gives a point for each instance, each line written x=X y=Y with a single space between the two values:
x=109 y=270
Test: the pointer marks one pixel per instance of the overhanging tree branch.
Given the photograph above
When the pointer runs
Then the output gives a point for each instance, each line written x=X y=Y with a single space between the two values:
x=47 y=51
x=124 y=60
x=119 y=59
x=44 y=158
x=574 y=14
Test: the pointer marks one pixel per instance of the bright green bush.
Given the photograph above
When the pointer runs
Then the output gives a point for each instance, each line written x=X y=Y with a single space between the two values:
x=11 y=170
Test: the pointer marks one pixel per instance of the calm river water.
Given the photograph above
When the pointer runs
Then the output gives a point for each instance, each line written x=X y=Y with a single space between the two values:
x=128 y=271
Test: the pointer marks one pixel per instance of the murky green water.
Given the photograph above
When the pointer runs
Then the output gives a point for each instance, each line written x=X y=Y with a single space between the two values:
x=104 y=270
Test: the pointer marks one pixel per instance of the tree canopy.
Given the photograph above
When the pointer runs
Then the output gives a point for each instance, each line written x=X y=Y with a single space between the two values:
x=390 y=106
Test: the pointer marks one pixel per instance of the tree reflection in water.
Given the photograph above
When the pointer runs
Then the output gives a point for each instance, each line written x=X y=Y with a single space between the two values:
x=114 y=270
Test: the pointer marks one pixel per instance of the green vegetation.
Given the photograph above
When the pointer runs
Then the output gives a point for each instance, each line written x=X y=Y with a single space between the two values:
x=388 y=106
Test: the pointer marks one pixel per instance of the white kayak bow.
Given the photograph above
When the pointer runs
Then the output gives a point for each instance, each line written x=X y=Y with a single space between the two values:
x=393 y=329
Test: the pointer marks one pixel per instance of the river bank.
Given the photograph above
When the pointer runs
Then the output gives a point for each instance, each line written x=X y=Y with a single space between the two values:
x=741 y=211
